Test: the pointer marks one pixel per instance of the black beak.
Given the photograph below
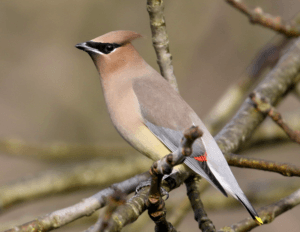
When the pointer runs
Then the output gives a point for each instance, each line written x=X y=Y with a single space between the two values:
x=81 y=46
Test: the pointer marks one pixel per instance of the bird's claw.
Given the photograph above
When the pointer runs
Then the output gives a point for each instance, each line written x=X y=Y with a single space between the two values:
x=146 y=183
x=142 y=185
x=164 y=193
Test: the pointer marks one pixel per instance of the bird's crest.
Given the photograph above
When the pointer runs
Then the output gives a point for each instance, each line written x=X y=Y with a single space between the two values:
x=118 y=37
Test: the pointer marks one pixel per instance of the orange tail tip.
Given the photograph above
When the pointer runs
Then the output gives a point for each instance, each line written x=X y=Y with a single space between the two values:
x=258 y=220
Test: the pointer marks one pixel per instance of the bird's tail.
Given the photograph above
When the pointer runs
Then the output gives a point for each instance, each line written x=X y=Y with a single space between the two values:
x=210 y=177
x=243 y=199
x=215 y=169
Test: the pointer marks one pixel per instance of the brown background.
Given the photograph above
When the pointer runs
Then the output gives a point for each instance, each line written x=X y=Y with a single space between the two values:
x=50 y=91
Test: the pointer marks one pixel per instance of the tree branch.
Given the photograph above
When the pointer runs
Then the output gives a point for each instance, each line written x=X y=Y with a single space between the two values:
x=267 y=213
x=257 y=16
x=193 y=192
x=263 y=105
x=260 y=164
x=269 y=132
x=160 y=40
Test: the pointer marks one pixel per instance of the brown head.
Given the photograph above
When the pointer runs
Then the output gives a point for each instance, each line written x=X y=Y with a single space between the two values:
x=112 y=51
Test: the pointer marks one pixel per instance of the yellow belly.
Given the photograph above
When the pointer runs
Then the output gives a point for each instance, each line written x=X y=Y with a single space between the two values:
x=147 y=143
x=153 y=148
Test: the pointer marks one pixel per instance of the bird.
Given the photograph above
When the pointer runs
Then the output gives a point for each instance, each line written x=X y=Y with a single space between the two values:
x=151 y=116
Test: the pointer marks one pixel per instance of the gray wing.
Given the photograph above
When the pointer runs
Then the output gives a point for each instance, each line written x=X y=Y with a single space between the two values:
x=171 y=139
x=167 y=115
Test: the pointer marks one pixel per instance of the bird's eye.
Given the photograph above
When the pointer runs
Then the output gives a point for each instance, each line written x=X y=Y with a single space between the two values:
x=108 y=48
x=102 y=48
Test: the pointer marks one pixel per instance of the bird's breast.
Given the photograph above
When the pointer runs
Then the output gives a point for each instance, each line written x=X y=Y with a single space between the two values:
x=124 y=111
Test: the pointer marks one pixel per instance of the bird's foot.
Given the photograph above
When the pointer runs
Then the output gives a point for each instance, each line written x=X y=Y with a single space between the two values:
x=142 y=185
x=146 y=183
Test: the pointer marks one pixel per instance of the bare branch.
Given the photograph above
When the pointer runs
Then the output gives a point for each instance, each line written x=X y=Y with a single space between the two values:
x=269 y=131
x=263 y=105
x=260 y=164
x=257 y=16
x=267 y=213
x=160 y=40
x=193 y=192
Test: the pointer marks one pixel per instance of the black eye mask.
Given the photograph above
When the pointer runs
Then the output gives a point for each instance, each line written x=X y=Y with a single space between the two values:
x=104 y=48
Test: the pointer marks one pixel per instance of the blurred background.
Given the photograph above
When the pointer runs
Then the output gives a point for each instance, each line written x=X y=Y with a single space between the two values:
x=50 y=91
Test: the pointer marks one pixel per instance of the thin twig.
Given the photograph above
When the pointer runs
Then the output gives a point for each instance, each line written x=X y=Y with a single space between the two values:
x=260 y=164
x=267 y=213
x=270 y=132
x=257 y=16
x=264 y=106
x=193 y=192
x=160 y=40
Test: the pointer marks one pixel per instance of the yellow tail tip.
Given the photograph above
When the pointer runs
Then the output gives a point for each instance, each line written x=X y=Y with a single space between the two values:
x=258 y=220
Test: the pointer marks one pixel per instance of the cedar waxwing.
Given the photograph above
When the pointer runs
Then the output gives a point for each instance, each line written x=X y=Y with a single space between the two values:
x=151 y=116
